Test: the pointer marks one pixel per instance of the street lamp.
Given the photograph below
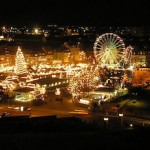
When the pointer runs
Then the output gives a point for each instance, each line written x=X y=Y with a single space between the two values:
x=131 y=125
x=36 y=31
x=120 y=115
x=106 y=119
x=106 y=122
x=21 y=109
x=58 y=95
x=121 y=118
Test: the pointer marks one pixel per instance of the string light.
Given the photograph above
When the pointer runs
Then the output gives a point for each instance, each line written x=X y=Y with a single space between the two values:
x=20 y=63
x=83 y=81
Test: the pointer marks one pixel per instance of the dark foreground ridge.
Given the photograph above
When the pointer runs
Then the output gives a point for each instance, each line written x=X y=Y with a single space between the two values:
x=21 y=133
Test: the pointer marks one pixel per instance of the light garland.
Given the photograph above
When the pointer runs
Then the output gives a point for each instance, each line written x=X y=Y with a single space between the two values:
x=20 y=63
x=83 y=81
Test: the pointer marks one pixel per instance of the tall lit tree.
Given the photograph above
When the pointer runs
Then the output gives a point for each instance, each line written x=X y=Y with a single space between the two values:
x=83 y=81
x=20 y=63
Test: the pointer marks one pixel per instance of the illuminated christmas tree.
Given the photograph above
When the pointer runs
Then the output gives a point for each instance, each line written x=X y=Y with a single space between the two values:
x=83 y=81
x=20 y=63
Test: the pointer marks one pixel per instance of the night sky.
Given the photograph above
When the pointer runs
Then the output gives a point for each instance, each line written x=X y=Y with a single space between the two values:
x=95 y=13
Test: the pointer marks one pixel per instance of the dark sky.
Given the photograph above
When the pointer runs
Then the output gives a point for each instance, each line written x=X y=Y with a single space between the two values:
x=89 y=12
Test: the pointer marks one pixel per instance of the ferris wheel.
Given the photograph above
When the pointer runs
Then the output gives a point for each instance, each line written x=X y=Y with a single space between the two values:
x=109 y=49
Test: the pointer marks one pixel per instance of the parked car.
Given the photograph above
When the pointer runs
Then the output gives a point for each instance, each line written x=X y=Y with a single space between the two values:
x=5 y=114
